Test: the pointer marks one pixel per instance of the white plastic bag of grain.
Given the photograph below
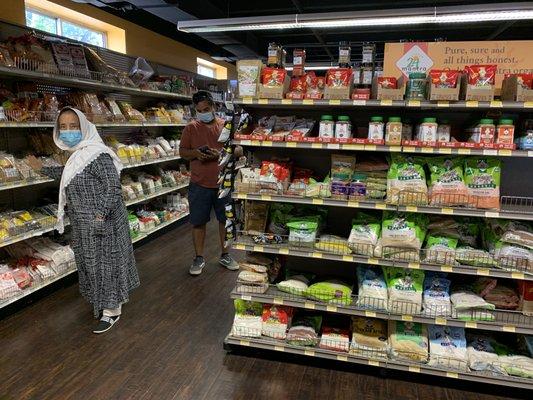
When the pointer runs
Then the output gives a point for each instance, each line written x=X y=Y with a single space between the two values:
x=247 y=321
x=369 y=337
x=447 y=347
x=405 y=289
x=481 y=354
x=436 y=299
x=408 y=341
x=372 y=292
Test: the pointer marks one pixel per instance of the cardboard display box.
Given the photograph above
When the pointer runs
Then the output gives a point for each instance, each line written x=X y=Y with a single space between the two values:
x=512 y=90
x=449 y=94
x=340 y=92
x=476 y=93
x=380 y=93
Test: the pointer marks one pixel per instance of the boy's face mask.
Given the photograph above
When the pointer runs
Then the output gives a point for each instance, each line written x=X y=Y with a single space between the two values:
x=70 y=137
x=205 y=117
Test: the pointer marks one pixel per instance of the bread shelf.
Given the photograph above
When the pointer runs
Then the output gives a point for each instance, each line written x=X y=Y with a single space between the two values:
x=384 y=148
x=161 y=192
x=26 y=292
x=157 y=228
x=519 y=214
x=504 y=321
x=280 y=346
x=310 y=252
x=408 y=104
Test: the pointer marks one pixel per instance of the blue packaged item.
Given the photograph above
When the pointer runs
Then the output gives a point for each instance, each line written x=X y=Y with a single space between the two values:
x=436 y=297
x=447 y=347
x=372 y=292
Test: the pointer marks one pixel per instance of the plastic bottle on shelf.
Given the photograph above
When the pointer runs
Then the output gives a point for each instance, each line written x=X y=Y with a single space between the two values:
x=393 y=134
x=444 y=131
x=416 y=86
x=484 y=132
x=343 y=127
x=376 y=128
x=505 y=131
x=327 y=126
x=428 y=130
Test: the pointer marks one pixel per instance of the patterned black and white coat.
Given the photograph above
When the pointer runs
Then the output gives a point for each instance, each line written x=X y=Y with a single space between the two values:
x=103 y=249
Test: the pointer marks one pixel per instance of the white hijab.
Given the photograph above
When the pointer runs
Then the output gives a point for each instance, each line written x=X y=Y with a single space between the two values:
x=85 y=152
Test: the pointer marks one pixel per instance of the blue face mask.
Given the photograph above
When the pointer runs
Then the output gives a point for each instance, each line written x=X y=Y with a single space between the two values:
x=70 y=137
x=205 y=117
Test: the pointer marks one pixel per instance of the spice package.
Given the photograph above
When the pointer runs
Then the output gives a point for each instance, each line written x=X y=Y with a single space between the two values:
x=338 y=77
x=273 y=77
x=315 y=87
x=444 y=78
x=298 y=62
x=481 y=75
x=248 y=76
x=297 y=88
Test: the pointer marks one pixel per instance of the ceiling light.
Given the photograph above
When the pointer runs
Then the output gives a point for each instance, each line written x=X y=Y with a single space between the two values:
x=361 y=19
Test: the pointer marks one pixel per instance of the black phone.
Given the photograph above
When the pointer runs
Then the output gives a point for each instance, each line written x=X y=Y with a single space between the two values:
x=204 y=149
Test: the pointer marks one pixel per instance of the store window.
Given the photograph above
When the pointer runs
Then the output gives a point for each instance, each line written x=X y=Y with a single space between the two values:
x=61 y=27
x=206 y=71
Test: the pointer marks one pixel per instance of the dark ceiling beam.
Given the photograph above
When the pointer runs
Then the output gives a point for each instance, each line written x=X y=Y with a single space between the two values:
x=315 y=33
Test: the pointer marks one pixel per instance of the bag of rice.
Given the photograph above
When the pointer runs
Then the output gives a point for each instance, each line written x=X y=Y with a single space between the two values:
x=469 y=306
x=275 y=320
x=440 y=250
x=447 y=347
x=436 y=299
x=333 y=244
x=405 y=289
x=364 y=235
x=372 y=288
x=482 y=355
x=247 y=321
x=467 y=255
x=517 y=365
x=302 y=233
x=295 y=283
x=482 y=177
x=447 y=186
x=335 y=339
x=406 y=181
x=369 y=337
x=331 y=291
x=403 y=230
x=304 y=330
x=408 y=341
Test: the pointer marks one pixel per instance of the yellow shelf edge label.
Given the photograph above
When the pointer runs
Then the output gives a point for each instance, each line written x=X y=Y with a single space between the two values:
x=316 y=145
x=353 y=204
x=244 y=342
x=386 y=102
x=317 y=201
x=505 y=152
x=407 y=318
x=283 y=251
x=508 y=328
x=308 y=305
x=464 y=151
x=446 y=210
x=381 y=206
x=483 y=271
x=411 y=208
x=342 y=358
x=259 y=248
x=373 y=261
x=446 y=268
x=470 y=324
x=413 y=265
x=492 y=214
x=373 y=363
x=267 y=143
x=286 y=101
x=290 y=144
x=414 y=368
x=279 y=348
x=247 y=100
x=239 y=247
x=316 y=255
x=334 y=102
x=451 y=374
x=427 y=150
x=278 y=300
x=443 y=103
x=266 y=197
x=496 y=104
x=413 y=103
x=444 y=150
x=331 y=308
x=262 y=101
x=517 y=275
x=308 y=102
x=309 y=352
x=370 y=147
x=409 y=149
x=347 y=258
x=370 y=314
x=472 y=103
x=440 y=321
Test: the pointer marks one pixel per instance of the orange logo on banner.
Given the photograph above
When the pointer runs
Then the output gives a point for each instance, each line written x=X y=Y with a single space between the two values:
x=511 y=57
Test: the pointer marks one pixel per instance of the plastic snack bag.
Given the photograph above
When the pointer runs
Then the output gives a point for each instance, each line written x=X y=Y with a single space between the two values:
x=335 y=339
x=369 y=337
x=276 y=319
x=408 y=341
x=469 y=306
x=482 y=177
x=447 y=347
x=403 y=230
x=372 y=292
x=447 y=186
x=296 y=284
x=302 y=233
x=406 y=181
x=141 y=71
x=482 y=355
x=405 y=290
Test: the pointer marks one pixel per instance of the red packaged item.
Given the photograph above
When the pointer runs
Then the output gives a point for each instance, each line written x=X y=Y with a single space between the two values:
x=272 y=171
x=361 y=94
x=387 y=82
x=335 y=339
x=524 y=80
x=481 y=75
x=302 y=175
x=297 y=88
x=276 y=320
x=273 y=77
x=315 y=86
x=338 y=77
x=298 y=62
x=443 y=78
x=525 y=289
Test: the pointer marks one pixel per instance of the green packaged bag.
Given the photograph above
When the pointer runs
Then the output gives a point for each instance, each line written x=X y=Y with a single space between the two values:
x=365 y=233
x=405 y=287
x=446 y=183
x=332 y=291
x=482 y=177
x=406 y=181
x=440 y=249
x=403 y=230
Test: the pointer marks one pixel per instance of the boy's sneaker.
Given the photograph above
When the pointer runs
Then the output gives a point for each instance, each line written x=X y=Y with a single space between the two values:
x=227 y=261
x=105 y=324
x=197 y=266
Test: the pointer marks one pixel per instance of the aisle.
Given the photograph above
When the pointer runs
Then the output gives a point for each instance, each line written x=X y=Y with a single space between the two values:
x=169 y=346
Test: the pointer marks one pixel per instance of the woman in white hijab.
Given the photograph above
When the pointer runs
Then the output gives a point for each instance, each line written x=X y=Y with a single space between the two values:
x=90 y=192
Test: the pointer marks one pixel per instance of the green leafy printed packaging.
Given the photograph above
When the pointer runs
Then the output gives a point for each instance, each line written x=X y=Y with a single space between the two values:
x=403 y=230
x=406 y=181
x=482 y=178
x=405 y=287
x=408 y=341
x=332 y=291
x=446 y=183
x=440 y=249
x=302 y=233
x=365 y=233
x=247 y=321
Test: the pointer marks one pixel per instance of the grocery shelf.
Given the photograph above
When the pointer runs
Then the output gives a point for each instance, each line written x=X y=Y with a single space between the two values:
x=19 y=184
x=311 y=252
x=409 y=104
x=161 y=192
x=281 y=346
x=27 y=235
x=384 y=148
x=157 y=228
x=26 y=292
x=150 y=162
x=100 y=125
x=519 y=213
x=504 y=321
x=90 y=84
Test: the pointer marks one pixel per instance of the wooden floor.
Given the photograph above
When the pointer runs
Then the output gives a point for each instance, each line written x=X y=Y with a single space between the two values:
x=168 y=345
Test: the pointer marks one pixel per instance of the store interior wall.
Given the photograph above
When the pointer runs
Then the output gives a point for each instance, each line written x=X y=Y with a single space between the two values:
x=139 y=41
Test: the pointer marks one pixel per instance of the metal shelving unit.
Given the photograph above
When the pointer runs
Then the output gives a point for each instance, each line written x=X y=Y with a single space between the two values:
x=150 y=162
x=280 y=346
x=20 y=184
x=504 y=321
x=383 y=148
x=381 y=205
x=161 y=192
x=4 y=124
x=159 y=227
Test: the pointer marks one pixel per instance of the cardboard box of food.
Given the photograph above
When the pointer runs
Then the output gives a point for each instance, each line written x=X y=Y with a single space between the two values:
x=438 y=94
x=380 y=93
x=274 y=92
x=512 y=90
x=476 y=93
